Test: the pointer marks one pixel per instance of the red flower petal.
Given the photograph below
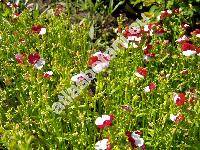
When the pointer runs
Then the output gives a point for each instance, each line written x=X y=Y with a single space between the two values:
x=142 y=71
x=20 y=58
x=187 y=46
x=36 y=28
x=152 y=86
x=181 y=99
x=92 y=60
x=179 y=118
x=33 y=58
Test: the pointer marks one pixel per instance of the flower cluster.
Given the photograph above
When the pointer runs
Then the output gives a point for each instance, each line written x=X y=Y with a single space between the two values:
x=35 y=60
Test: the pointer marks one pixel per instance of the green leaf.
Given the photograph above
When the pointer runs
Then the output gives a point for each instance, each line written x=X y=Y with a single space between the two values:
x=120 y=3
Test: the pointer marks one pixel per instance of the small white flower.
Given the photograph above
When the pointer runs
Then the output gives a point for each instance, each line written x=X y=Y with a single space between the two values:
x=133 y=45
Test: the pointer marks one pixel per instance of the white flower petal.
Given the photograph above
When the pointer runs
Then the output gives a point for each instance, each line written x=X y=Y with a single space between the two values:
x=42 y=31
x=139 y=142
x=135 y=136
x=105 y=117
x=99 y=67
x=49 y=73
x=189 y=53
x=101 y=145
x=139 y=75
x=99 y=121
x=147 y=89
x=39 y=64
x=173 y=117
x=198 y=35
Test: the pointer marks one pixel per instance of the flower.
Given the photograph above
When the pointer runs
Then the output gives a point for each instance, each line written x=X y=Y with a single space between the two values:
x=141 y=72
x=48 y=74
x=133 y=34
x=196 y=32
x=135 y=140
x=185 y=25
x=177 y=118
x=99 y=61
x=188 y=49
x=16 y=15
x=20 y=58
x=38 y=29
x=78 y=78
x=179 y=99
x=164 y=14
x=35 y=60
x=103 y=145
x=151 y=87
x=104 y=121
x=183 y=39
x=39 y=64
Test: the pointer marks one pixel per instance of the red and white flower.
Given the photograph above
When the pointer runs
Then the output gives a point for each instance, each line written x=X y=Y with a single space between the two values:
x=104 y=121
x=164 y=14
x=99 y=61
x=35 y=60
x=133 y=34
x=185 y=25
x=141 y=72
x=188 y=49
x=196 y=32
x=20 y=58
x=103 y=145
x=48 y=74
x=135 y=139
x=38 y=29
x=16 y=15
x=177 y=118
x=78 y=78
x=184 y=38
x=151 y=87
x=179 y=99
